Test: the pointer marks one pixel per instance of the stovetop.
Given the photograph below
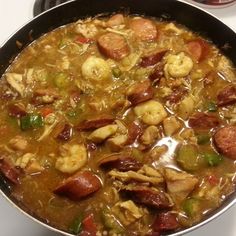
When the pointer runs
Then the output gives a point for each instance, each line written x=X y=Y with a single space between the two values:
x=15 y=13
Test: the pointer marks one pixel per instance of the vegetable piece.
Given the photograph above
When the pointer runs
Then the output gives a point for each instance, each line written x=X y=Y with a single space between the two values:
x=151 y=112
x=188 y=157
x=186 y=107
x=140 y=92
x=96 y=123
x=31 y=121
x=95 y=68
x=165 y=221
x=99 y=135
x=89 y=227
x=178 y=66
x=76 y=225
x=116 y=72
x=61 y=80
x=113 y=46
x=9 y=171
x=212 y=159
x=119 y=162
x=150 y=197
x=227 y=96
x=110 y=222
x=213 y=180
x=203 y=139
x=144 y=29
x=73 y=158
x=78 y=186
x=179 y=183
x=152 y=59
x=46 y=111
x=198 y=49
x=191 y=207
x=211 y=106
x=225 y=141
x=83 y=40
x=17 y=110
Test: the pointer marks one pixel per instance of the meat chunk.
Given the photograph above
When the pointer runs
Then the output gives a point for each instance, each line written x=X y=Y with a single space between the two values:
x=227 y=96
x=198 y=49
x=177 y=95
x=16 y=82
x=179 y=184
x=140 y=92
x=128 y=212
x=78 y=186
x=118 y=142
x=18 y=143
x=115 y=20
x=149 y=197
x=152 y=59
x=203 y=121
x=121 y=163
x=9 y=171
x=101 y=134
x=113 y=46
x=171 y=125
x=144 y=29
x=134 y=131
x=165 y=221
x=64 y=132
x=225 y=141
x=95 y=123
x=150 y=135
x=45 y=96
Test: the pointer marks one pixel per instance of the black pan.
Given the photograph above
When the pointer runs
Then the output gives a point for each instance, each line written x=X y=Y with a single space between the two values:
x=181 y=12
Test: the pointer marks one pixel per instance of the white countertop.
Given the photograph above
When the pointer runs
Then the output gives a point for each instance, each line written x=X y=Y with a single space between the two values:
x=15 y=13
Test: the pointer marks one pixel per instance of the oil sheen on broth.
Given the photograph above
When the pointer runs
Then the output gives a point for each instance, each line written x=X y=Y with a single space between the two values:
x=119 y=126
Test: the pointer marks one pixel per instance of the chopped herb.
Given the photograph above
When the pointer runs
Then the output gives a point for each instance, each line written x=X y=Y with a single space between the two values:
x=213 y=159
x=211 y=106
x=31 y=121
x=116 y=72
x=76 y=225
x=203 y=139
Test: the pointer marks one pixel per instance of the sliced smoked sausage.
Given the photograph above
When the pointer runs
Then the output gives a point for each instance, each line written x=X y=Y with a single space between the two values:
x=203 y=121
x=140 y=92
x=113 y=46
x=144 y=29
x=225 y=141
x=227 y=96
x=79 y=185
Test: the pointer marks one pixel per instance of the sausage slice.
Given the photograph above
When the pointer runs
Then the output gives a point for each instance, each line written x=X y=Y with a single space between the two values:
x=140 y=92
x=225 y=141
x=203 y=121
x=113 y=46
x=227 y=96
x=79 y=185
x=144 y=29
